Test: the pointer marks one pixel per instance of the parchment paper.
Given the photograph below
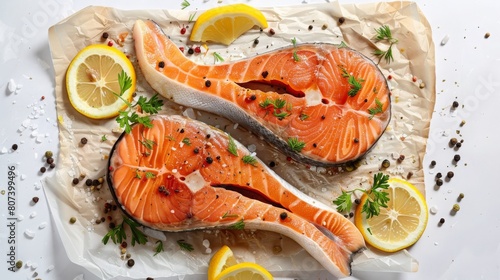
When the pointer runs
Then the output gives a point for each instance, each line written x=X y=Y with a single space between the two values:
x=407 y=133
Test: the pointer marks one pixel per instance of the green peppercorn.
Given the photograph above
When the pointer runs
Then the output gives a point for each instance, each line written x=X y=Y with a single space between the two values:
x=456 y=207
x=72 y=220
x=49 y=154
x=386 y=163
x=19 y=264
x=461 y=196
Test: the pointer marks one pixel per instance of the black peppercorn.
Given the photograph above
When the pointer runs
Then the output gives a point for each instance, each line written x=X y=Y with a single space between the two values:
x=14 y=147
x=256 y=41
x=450 y=174
x=76 y=181
x=209 y=160
x=130 y=262
x=341 y=20
x=105 y=35
x=455 y=104
x=272 y=164
x=271 y=31
x=52 y=165
x=161 y=64
x=433 y=163
x=439 y=182
x=310 y=27
x=208 y=83
x=441 y=221
x=439 y=175
x=35 y=199
x=401 y=158
x=83 y=141
x=264 y=74
x=43 y=169
x=283 y=215
x=88 y=182
x=196 y=150
x=50 y=160
x=190 y=51
x=456 y=158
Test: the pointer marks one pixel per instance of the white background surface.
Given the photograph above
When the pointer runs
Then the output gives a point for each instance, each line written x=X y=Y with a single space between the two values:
x=466 y=246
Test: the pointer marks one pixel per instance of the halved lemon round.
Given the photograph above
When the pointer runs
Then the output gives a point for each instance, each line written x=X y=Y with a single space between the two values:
x=92 y=81
x=221 y=260
x=245 y=271
x=226 y=23
x=399 y=225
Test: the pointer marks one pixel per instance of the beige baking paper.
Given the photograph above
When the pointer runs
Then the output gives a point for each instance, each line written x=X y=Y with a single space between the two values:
x=407 y=133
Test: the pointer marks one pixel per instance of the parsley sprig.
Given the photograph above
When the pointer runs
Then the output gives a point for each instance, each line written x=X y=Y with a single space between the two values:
x=384 y=34
x=377 y=197
x=118 y=233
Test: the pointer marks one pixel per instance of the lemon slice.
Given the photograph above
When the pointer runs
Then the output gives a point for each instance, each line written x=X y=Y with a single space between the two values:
x=226 y=23
x=399 y=225
x=245 y=271
x=221 y=260
x=92 y=78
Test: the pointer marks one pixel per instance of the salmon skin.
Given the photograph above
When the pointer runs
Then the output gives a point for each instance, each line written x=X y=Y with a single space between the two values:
x=170 y=177
x=334 y=107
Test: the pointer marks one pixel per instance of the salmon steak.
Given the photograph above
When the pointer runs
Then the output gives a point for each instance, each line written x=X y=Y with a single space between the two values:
x=320 y=104
x=182 y=174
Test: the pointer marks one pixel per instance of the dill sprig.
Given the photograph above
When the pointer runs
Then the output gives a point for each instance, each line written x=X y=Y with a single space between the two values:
x=384 y=34
x=191 y=17
x=248 y=159
x=231 y=147
x=295 y=144
x=377 y=109
x=377 y=197
x=185 y=4
x=353 y=82
x=184 y=245
x=238 y=225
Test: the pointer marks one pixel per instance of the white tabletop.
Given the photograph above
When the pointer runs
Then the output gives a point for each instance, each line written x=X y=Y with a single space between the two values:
x=466 y=246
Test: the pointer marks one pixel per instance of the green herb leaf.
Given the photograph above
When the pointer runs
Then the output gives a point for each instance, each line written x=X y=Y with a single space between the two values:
x=295 y=144
x=295 y=56
x=151 y=106
x=248 y=159
x=104 y=138
x=218 y=57
x=227 y=215
x=191 y=17
x=344 y=202
x=148 y=143
x=124 y=81
x=342 y=45
x=137 y=235
x=185 y=246
x=239 y=225
x=354 y=83
x=375 y=110
x=384 y=34
x=185 y=4
x=280 y=115
x=266 y=103
x=150 y=175
x=303 y=117
x=279 y=103
x=159 y=247
x=186 y=141
x=232 y=146
x=118 y=234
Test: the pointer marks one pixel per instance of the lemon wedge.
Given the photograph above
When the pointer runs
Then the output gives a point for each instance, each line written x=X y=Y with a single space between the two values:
x=245 y=271
x=92 y=78
x=221 y=260
x=399 y=225
x=226 y=23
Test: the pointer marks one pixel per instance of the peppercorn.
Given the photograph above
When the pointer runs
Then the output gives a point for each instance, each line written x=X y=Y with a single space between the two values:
x=386 y=163
x=453 y=141
x=52 y=165
x=95 y=182
x=458 y=145
x=356 y=140
x=35 y=199
x=439 y=182
x=50 y=160
x=196 y=150
x=43 y=169
x=76 y=181
x=264 y=74
x=422 y=85
x=19 y=264
x=401 y=158
x=351 y=214
x=439 y=175
x=441 y=221
x=88 y=182
x=83 y=141
x=450 y=174
x=48 y=154
x=272 y=164
x=341 y=20
x=455 y=104
x=208 y=83
x=283 y=215
x=325 y=26
x=487 y=35
x=433 y=163
x=150 y=278
x=256 y=41
x=112 y=225
x=130 y=262
x=461 y=196
x=272 y=32
x=72 y=220
x=190 y=51
x=209 y=160
x=124 y=244
x=409 y=175
x=310 y=27
x=456 y=158
x=161 y=64
x=456 y=207
x=357 y=201
x=14 y=147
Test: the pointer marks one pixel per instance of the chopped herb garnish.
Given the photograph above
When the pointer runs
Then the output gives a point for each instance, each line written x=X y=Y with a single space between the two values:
x=150 y=175
x=295 y=144
x=375 y=110
x=117 y=234
x=377 y=197
x=218 y=57
x=185 y=4
x=353 y=82
x=137 y=175
x=170 y=138
x=191 y=17
x=232 y=146
x=186 y=141
x=303 y=117
x=384 y=33
x=185 y=246
x=277 y=105
x=159 y=247
x=342 y=45
x=238 y=225
x=295 y=56
x=227 y=215
x=249 y=160
x=148 y=143
x=104 y=138
x=280 y=115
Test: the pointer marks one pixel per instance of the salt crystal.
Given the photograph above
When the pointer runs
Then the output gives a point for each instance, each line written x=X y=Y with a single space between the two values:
x=4 y=150
x=29 y=234
x=235 y=126
x=33 y=214
x=26 y=123
x=20 y=217
x=395 y=155
x=34 y=134
x=42 y=225
x=19 y=87
x=445 y=40
x=433 y=210
x=34 y=266
x=252 y=148
x=174 y=170
x=435 y=243
x=39 y=139
x=11 y=86
x=208 y=251
x=206 y=243
x=189 y=112
x=50 y=268
x=172 y=211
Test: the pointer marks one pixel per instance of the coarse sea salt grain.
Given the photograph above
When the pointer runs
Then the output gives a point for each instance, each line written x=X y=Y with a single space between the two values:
x=33 y=214
x=433 y=210
x=11 y=86
x=206 y=243
x=4 y=150
x=42 y=225
x=20 y=217
x=29 y=234
x=50 y=268
x=445 y=40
